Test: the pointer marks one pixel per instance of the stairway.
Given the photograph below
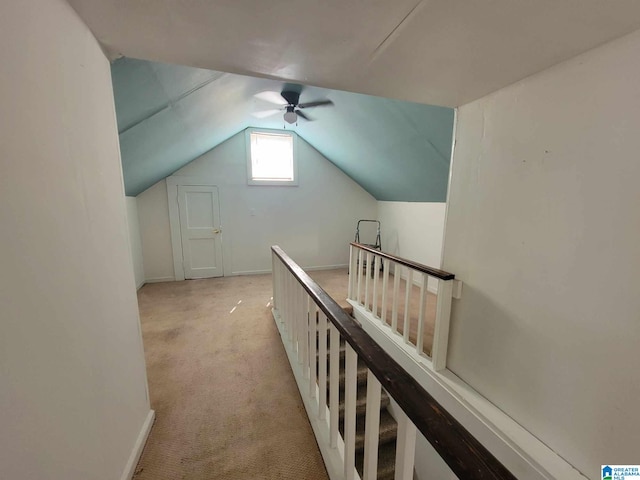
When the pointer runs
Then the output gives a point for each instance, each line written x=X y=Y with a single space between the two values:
x=388 y=426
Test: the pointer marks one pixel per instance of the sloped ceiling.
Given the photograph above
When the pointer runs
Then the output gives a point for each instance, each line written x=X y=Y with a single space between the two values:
x=441 y=52
x=169 y=115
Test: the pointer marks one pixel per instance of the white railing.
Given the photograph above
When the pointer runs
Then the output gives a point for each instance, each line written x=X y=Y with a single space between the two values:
x=409 y=301
x=312 y=326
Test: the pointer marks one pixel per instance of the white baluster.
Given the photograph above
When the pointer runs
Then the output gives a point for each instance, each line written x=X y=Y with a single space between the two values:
x=322 y=370
x=283 y=299
x=385 y=287
x=301 y=312
x=366 y=283
x=359 y=273
x=313 y=323
x=296 y=320
x=283 y=294
x=274 y=281
x=372 y=428
x=353 y=272
x=302 y=333
x=441 y=330
x=351 y=373
x=277 y=294
x=407 y=306
x=421 y=314
x=334 y=384
x=294 y=314
x=397 y=272
x=306 y=320
x=374 y=307
x=350 y=282
x=291 y=304
x=405 y=447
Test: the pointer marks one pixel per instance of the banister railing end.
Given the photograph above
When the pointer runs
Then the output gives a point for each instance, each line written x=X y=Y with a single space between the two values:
x=433 y=272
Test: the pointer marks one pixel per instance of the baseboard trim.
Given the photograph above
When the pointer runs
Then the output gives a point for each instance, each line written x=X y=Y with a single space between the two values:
x=141 y=441
x=140 y=285
x=326 y=267
x=159 y=279
x=250 y=272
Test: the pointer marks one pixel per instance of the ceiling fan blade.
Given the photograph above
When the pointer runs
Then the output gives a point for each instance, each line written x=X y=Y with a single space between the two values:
x=271 y=97
x=301 y=114
x=266 y=113
x=291 y=97
x=317 y=103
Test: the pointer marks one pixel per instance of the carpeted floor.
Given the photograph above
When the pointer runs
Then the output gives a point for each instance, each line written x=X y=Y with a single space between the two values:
x=227 y=405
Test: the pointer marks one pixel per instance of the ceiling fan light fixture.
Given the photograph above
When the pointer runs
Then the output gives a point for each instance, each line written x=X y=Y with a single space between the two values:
x=290 y=116
x=288 y=100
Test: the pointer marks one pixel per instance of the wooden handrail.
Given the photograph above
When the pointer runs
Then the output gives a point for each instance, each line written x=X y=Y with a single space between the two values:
x=434 y=272
x=465 y=455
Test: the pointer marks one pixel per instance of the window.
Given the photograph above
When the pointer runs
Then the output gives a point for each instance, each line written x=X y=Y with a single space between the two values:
x=271 y=157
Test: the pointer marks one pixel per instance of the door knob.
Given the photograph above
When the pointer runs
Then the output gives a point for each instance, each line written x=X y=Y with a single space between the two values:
x=217 y=230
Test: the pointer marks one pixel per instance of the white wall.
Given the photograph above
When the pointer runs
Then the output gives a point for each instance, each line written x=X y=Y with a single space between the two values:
x=155 y=233
x=413 y=230
x=73 y=394
x=543 y=229
x=134 y=240
x=313 y=222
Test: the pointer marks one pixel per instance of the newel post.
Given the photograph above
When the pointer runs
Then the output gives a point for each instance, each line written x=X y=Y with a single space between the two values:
x=441 y=330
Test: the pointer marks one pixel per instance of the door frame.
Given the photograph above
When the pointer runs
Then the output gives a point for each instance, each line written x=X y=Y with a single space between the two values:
x=173 y=183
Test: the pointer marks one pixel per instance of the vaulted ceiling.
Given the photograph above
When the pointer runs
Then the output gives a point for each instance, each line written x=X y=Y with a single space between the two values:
x=441 y=52
x=168 y=115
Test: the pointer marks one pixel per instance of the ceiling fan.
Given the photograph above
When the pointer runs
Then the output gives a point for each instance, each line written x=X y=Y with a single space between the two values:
x=289 y=102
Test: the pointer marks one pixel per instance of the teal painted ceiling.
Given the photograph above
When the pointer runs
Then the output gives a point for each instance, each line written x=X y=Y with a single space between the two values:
x=169 y=115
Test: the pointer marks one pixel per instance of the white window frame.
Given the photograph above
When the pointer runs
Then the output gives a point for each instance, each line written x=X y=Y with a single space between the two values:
x=282 y=183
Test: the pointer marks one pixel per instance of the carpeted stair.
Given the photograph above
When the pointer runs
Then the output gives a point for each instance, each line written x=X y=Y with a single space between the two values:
x=388 y=425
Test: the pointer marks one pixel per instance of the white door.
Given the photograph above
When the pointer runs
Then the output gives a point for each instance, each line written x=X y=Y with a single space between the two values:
x=200 y=231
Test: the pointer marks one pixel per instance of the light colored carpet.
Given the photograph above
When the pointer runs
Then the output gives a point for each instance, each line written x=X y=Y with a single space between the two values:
x=227 y=405
x=335 y=282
